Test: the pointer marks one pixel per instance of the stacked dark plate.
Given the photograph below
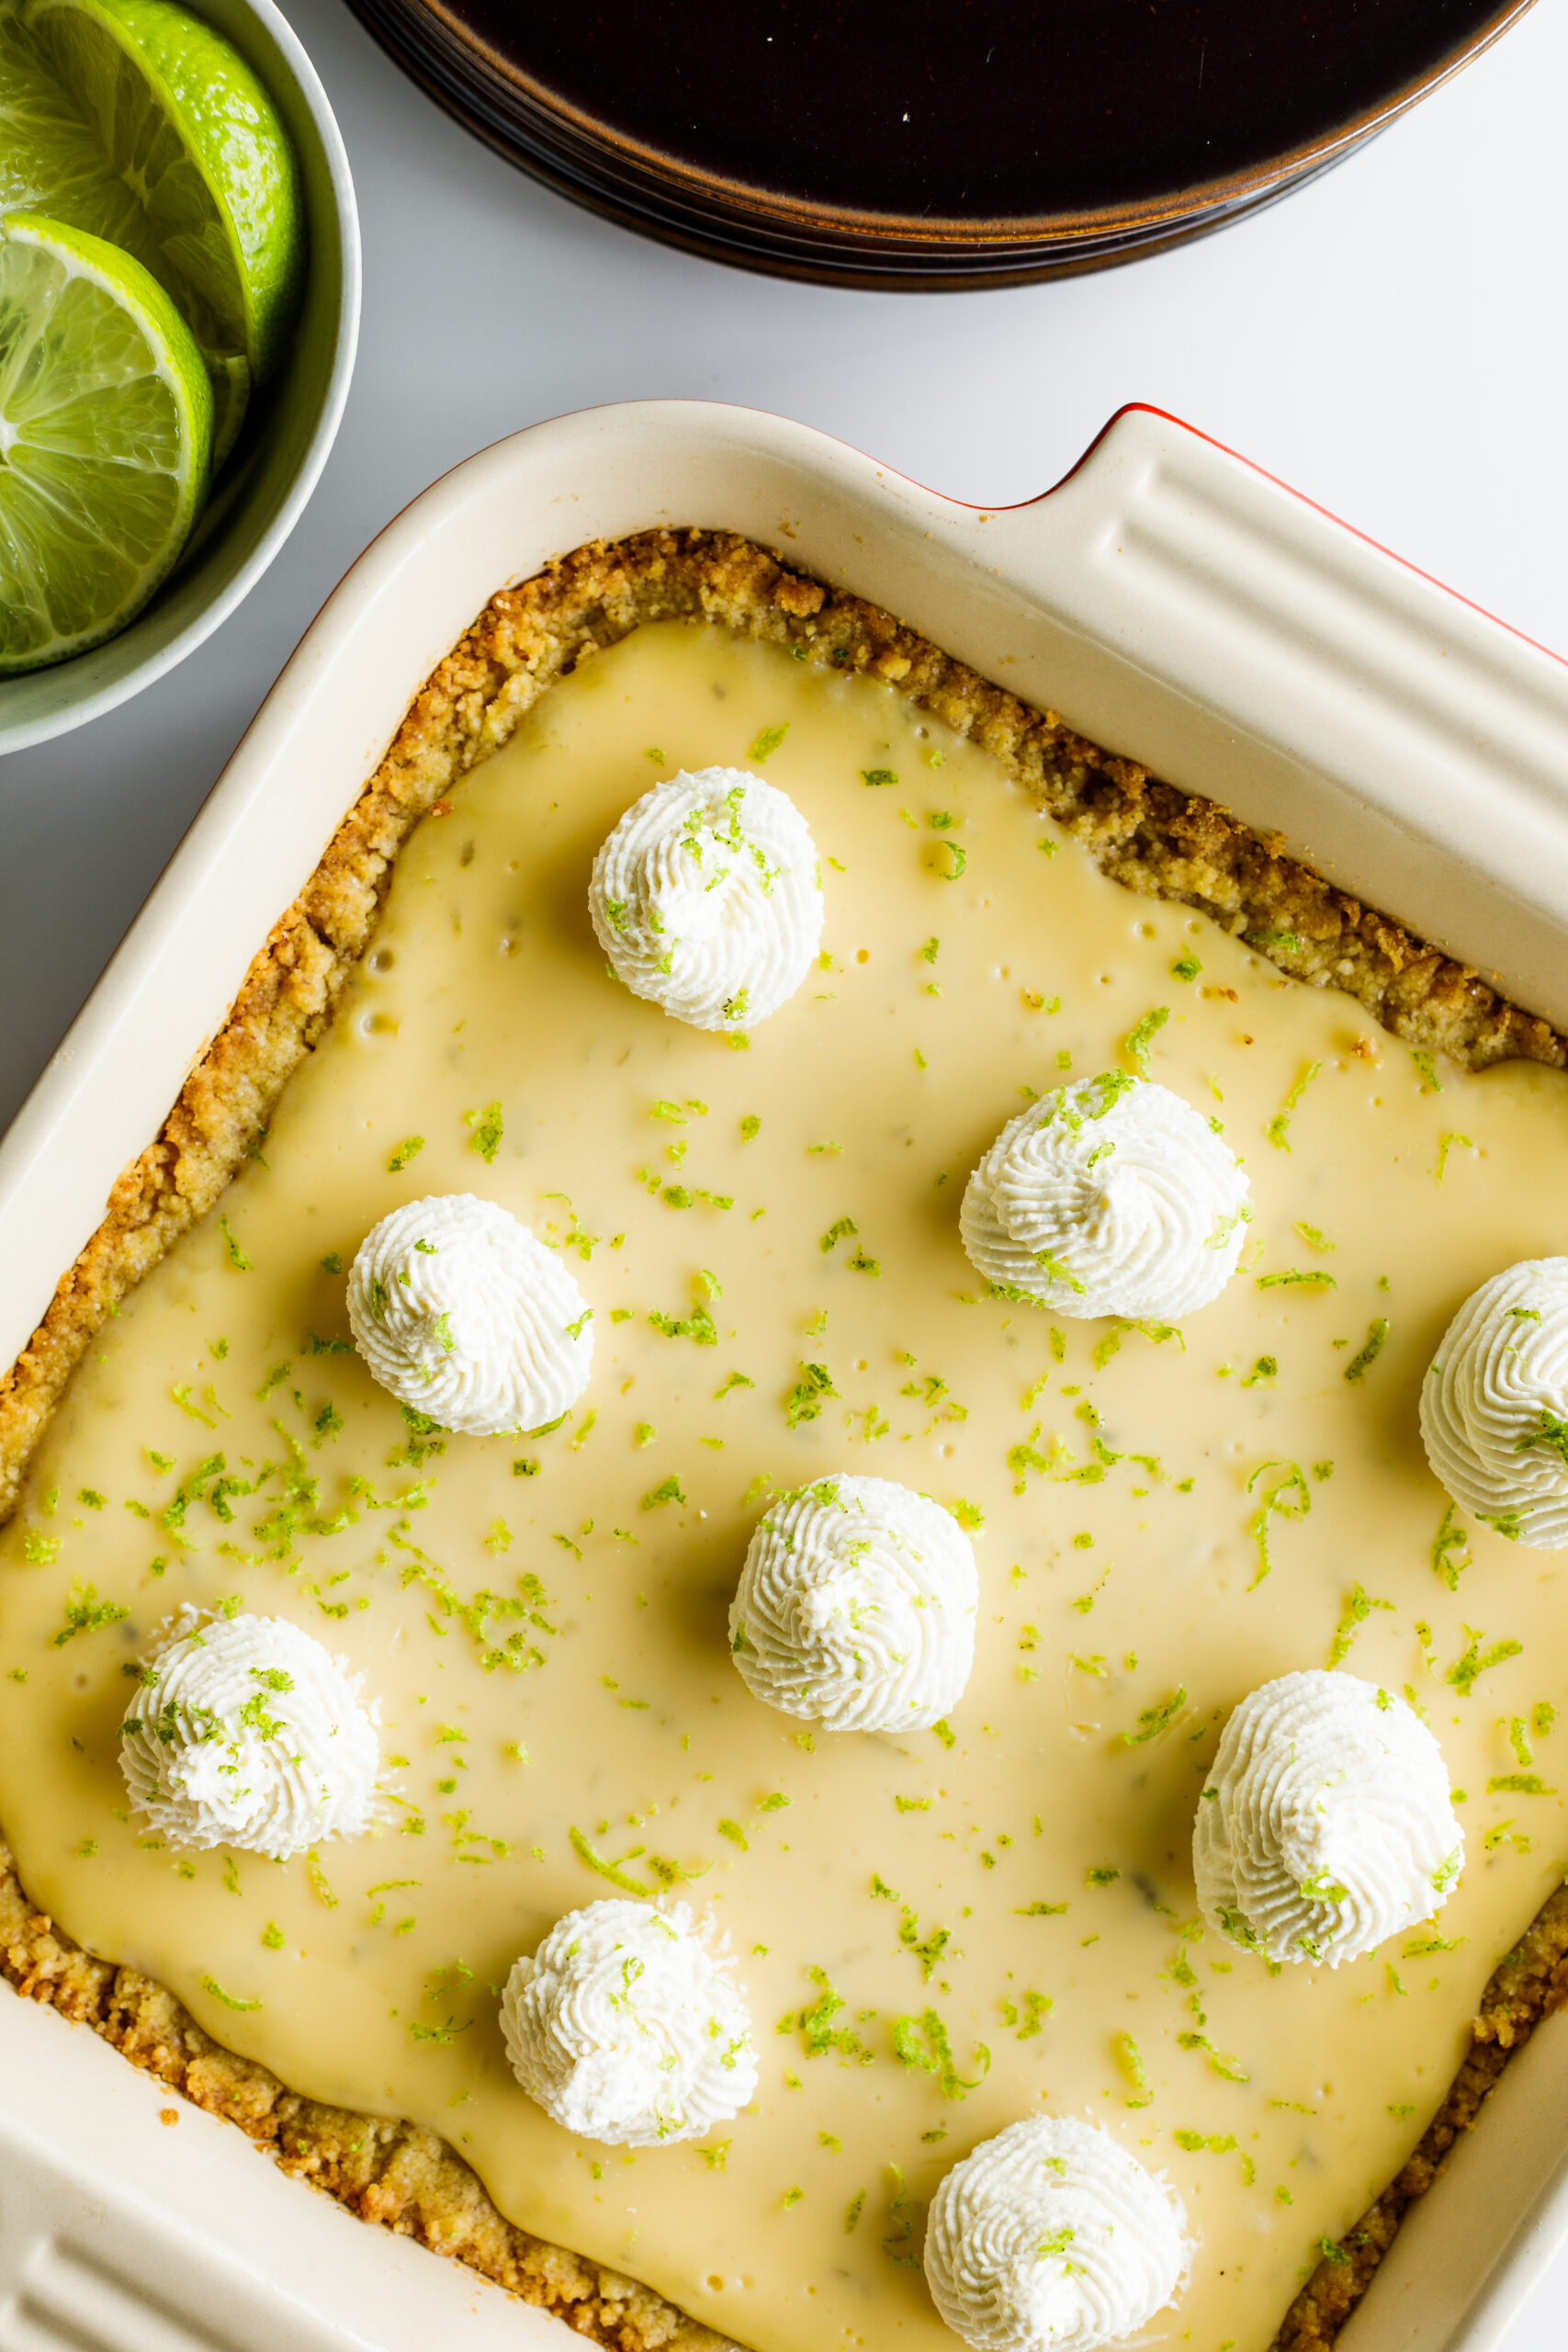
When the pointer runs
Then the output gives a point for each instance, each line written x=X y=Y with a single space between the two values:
x=928 y=143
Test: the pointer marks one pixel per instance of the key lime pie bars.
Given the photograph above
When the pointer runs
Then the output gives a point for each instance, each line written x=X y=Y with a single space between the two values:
x=725 y=1558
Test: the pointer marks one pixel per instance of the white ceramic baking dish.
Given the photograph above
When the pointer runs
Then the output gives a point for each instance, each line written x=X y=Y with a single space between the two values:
x=1171 y=602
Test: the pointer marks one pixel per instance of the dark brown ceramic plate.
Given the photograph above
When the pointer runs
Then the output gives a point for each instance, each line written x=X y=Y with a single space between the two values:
x=928 y=143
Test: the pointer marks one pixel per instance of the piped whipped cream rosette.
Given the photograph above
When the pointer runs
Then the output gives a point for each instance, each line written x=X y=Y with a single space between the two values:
x=1325 y=1826
x=245 y=1732
x=627 y=2025
x=463 y=1314
x=856 y=1607
x=1113 y=1196
x=707 y=897
x=1053 y=2237
x=1494 y=1404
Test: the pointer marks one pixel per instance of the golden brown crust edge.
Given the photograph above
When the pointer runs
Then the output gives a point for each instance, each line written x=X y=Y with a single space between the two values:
x=1145 y=833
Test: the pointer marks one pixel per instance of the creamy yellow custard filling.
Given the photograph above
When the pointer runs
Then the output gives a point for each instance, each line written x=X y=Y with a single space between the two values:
x=939 y=1933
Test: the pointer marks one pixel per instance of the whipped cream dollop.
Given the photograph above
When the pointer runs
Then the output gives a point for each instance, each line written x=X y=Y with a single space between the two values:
x=1113 y=1196
x=707 y=897
x=1052 y=2238
x=856 y=1607
x=1325 y=1826
x=463 y=1314
x=627 y=2025
x=246 y=1732
x=1494 y=1404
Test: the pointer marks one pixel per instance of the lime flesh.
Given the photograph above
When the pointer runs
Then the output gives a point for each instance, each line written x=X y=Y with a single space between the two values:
x=140 y=124
x=105 y=440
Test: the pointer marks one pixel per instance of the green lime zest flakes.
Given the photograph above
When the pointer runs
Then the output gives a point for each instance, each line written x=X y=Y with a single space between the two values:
x=913 y=1805
x=1367 y=1354
x=945 y=1732
x=230 y=2000
x=751 y=1127
x=1038 y=1910
x=242 y=1265
x=442 y=2036
x=1289 y=942
x=92 y=1499
x=1289 y=1498
x=1278 y=1129
x=1470 y=1665
x=1314 y=1279
x=1427 y=1069
x=1226 y=2067
x=40 y=1551
x=1101 y=1874
x=1518 y=1784
x=970 y=1517
x=923 y=2041
x=929 y=1950
x=715 y=2157
x=1333 y=2252
x=1551 y=1430
x=839 y=1230
x=815 y=2024
x=792 y=2197
x=182 y=1398
x=776 y=1802
x=853 y=2212
x=616 y=1872
x=957 y=857
x=332 y=1263
x=670 y=1111
x=1185 y=967
x=273 y=1936
x=931 y=949
x=1447 y=1872
x=486 y=1128
x=669 y=1491
x=1425 y=1947
x=1152 y=1721
x=805 y=1399
x=1031 y=2019
x=878 y=777
x=1359 y=1608
x=410 y=1148
x=1135 y=1044
x=1109 y=1344
x=1130 y=2058
x=768 y=742
x=1445 y=1145
x=736 y=1834
x=318 y=1878
x=735 y=1380
x=85 y=1612
x=1316 y=1240
x=1266 y=1368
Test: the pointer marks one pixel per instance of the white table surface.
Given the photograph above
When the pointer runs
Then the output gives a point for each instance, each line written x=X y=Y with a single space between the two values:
x=1393 y=341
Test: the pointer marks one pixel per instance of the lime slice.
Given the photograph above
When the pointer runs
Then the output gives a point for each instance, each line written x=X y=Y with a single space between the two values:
x=105 y=440
x=231 y=398
x=139 y=123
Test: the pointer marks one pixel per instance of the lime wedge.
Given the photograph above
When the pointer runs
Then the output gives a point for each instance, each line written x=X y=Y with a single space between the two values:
x=105 y=440
x=140 y=124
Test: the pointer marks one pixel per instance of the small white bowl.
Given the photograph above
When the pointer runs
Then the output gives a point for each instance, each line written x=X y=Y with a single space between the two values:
x=258 y=501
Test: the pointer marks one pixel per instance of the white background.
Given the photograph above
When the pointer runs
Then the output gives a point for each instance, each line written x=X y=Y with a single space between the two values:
x=1393 y=341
